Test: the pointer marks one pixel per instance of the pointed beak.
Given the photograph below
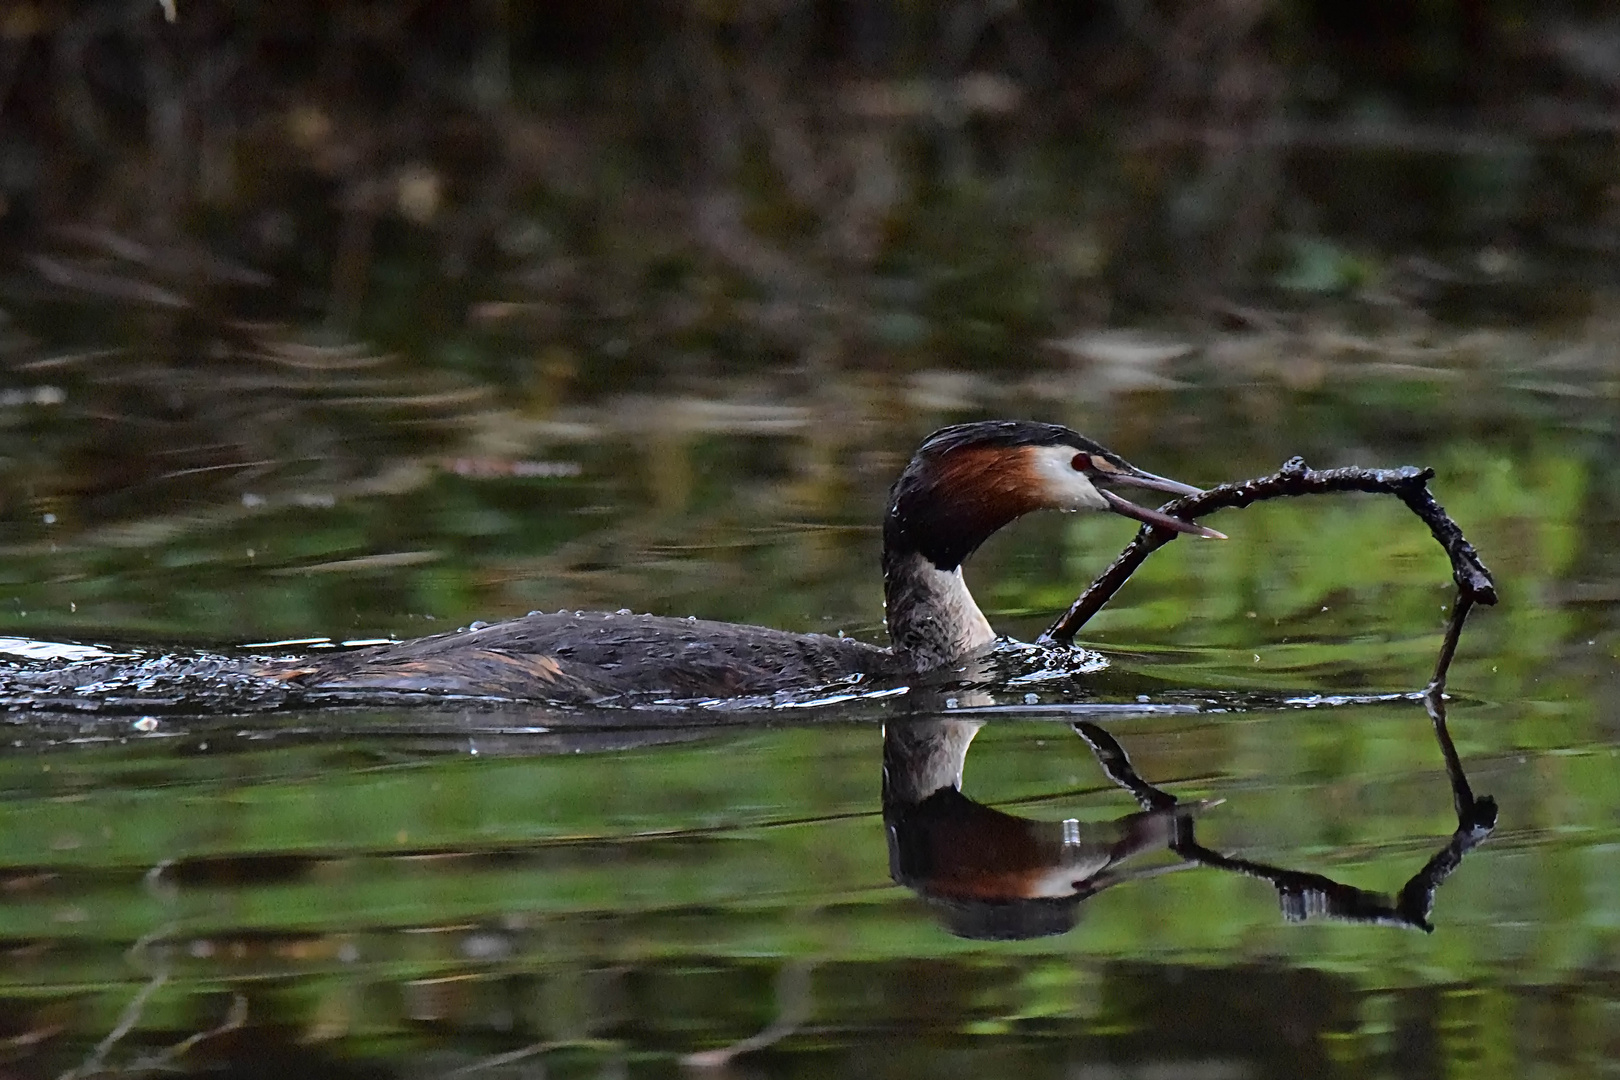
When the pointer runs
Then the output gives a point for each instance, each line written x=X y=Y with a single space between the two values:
x=1137 y=478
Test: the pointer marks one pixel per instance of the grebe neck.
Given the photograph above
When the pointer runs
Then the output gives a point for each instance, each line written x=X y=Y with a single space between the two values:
x=964 y=483
x=921 y=757
x=932 y=617
x=944 y=505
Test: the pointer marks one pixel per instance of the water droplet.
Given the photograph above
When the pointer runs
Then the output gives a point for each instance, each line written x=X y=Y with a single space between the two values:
x=146 y=723
x=50 y=519
x=1032 y=699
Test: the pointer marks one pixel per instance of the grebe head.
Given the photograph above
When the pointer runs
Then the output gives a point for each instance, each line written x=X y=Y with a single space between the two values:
x=968 y=480
x=965 y=482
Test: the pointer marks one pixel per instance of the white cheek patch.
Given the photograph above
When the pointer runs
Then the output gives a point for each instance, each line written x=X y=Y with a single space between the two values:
x=1062 y=486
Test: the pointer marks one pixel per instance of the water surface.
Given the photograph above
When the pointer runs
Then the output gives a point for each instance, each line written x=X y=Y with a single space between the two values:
x=528 y=892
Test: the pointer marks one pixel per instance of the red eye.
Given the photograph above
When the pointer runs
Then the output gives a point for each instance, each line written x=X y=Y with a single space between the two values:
x=1081 y=462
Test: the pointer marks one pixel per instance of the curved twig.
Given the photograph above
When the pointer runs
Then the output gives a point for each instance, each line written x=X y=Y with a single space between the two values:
x=1408 y=483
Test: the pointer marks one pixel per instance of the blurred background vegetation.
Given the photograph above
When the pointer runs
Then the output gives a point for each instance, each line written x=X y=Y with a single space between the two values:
x=697 y=185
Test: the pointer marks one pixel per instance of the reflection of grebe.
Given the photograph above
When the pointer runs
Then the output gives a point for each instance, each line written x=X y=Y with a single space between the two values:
x=963 y=484
x=990 y=874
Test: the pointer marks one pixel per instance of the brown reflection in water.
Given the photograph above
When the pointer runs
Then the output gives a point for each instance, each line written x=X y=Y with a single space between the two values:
x=992 y=875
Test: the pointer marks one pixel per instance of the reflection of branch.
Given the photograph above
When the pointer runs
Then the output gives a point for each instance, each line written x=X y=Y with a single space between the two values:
x=1476 y=817
x=1409 y=484
x=793 y=1007
x=164 y=1059
x=1111 y=756
x=495 y=1061
x=163 y=890
x=126 y=1023
x=509 y=1057
x=1303 y=894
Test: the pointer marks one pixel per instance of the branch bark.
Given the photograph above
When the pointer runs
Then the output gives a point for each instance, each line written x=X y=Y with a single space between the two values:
x=1408 y=483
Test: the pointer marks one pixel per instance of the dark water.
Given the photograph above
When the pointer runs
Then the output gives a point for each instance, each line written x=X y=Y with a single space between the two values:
x=526 y=893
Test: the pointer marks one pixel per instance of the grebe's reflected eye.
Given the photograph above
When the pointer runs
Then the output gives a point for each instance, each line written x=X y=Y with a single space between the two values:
x=1080 y=463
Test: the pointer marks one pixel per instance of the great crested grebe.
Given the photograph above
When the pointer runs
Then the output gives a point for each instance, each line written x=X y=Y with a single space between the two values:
x=963 y=483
